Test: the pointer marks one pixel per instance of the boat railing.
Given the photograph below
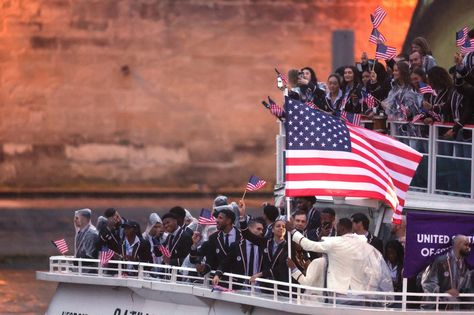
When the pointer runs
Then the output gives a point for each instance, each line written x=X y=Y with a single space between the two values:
x=447 y=164
x=269 y=290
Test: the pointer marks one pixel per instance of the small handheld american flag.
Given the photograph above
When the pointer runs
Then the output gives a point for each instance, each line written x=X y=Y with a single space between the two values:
x=426 y=89
x=164 y=250
x=219 y=288
x=275 y=109
x=105 y=255
x=376 y=37
x=377 y=17
x=369 y=99
x=255 y=183
x=468 y=46
x=385 y=52
x=461 y=36
x=206 y=217
x=61 y=245
x=282 y=77
x=351 y=117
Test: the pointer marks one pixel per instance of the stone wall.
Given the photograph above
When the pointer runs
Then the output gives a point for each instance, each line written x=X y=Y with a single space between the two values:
x=154 y=92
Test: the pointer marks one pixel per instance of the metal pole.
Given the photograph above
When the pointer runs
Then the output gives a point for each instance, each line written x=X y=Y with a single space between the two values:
x=288 y=217
x=404 y=296
x=472 y=164
x=380 y=217
x=434 y=154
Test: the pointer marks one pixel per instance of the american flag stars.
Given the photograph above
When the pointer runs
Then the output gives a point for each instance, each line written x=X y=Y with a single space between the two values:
x=330 y=134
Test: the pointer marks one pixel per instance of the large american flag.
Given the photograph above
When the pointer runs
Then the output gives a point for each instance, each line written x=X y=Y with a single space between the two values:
x=461 y=36
x=376 y=37
x=327 y=157
x=385 y=52
x=255 y=183
x=61 y=245
x=206 y=217
x=105 y=255
x=378 y=16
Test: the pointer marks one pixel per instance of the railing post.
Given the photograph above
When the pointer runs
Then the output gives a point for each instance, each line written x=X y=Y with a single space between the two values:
x=275 y=292
x=404 y=296
x=437 y=303
x=79 y=265
x=99 y=269
x=140 y=271
x=429 y=186
x=298 y=295
x=173 y=275
x=51 y=264
x=433 y=154
x=472 y=163
x=334 y=299
x=119 y=269
x=230 y=282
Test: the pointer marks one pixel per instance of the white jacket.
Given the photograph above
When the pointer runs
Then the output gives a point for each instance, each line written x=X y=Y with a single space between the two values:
x=352 y=263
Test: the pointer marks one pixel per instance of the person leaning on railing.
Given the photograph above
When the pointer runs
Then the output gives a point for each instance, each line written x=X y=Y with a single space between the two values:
x=134 y=246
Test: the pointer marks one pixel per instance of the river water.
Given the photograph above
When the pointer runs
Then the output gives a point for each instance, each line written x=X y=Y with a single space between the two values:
x=21 y=293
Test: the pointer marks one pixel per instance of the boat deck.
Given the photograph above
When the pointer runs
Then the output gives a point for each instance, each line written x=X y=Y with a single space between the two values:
x=144 y=287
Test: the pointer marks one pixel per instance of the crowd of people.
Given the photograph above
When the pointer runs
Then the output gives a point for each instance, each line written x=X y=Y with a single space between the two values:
x=397 y=91
x=326 y=253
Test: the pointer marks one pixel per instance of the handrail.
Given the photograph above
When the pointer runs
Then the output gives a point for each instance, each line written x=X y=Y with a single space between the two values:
x=434 y=175
x=264 y=288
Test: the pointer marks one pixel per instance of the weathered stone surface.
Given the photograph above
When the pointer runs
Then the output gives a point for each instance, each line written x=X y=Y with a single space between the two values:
x=161 y=92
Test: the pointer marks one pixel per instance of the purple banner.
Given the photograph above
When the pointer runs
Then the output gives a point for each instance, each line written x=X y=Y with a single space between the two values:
x=429 y=235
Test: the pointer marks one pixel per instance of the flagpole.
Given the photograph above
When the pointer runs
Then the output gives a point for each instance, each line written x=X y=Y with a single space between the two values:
x=243 y=196
x=288 y=217
x=373 y=67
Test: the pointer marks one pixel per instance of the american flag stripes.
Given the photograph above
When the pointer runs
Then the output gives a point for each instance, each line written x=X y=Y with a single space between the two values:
x=369 y=99
x=219 y=288
x=385 y=52
x=461 y=36
x=164 y=250
x=311 y=104
x=206 y=217
x=418 y=117
x=351 y=117
x=327 y=157
x=376 y=37
x=468 y=46
x=255 y=183
x=378 y=16
x=282 y=77
x=434 y=115
x=105 y=255
x=61 y=245
x=426 y=89
x=275 y=109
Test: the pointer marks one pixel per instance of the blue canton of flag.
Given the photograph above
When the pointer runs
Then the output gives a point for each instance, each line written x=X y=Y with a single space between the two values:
x=310 y=129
